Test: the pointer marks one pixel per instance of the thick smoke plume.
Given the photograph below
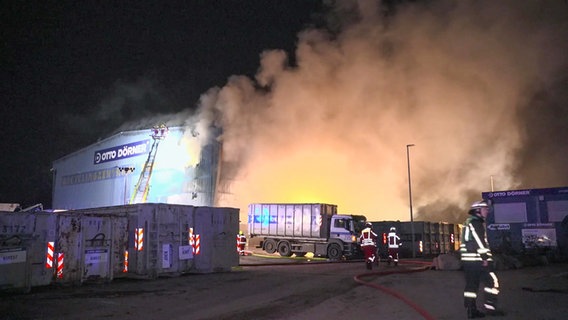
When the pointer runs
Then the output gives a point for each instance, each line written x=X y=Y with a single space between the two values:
x=455 y=78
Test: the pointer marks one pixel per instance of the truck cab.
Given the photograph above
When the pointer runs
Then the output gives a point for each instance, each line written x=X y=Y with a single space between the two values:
x=346 y=228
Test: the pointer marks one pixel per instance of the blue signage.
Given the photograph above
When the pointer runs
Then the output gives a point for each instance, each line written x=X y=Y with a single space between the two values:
x=122 y=152
x=265 y=217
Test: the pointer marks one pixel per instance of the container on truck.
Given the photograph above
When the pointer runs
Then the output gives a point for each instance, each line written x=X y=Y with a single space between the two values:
x=299 y=228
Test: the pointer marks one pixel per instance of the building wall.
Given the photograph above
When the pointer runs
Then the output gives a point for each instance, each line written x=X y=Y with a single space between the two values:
x=184 y=172
x=528 y=221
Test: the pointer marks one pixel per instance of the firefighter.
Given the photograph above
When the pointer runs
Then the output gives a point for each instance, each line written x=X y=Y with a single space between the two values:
x=368 y=241
x=241 y=242
x=393 y=244
x=477 y=263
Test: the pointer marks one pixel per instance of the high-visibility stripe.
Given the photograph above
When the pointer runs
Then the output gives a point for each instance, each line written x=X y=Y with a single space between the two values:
x=468 y=294
x=491 y=290
x=472 y=259
x=466 y=234
x=60 y=257
x=49 y=260
x=495 y=280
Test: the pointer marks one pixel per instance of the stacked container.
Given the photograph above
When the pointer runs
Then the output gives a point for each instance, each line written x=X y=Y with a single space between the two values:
x=90 y=245
x=26 y=250
x=101 y=244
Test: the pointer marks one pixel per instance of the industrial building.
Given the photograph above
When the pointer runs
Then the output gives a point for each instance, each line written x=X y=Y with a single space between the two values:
x=529 y=221
x=157 y=165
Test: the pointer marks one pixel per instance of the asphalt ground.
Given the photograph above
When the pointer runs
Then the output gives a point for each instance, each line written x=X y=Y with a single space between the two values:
x=272 y=287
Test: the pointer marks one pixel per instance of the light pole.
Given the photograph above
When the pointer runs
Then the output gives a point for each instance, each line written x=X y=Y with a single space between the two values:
x=410 y=197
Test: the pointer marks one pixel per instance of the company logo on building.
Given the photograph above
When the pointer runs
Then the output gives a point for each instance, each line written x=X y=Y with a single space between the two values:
x=499 y=226
x=121 y=152
x=509 y=193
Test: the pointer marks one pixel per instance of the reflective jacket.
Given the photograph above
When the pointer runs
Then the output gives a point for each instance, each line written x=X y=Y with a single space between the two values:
x=394 y=240
x=474 y=247
x=368 y=237
x=241 y=239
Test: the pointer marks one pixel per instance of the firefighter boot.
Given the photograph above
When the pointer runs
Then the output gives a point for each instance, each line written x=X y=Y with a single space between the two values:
x=472 y=313
x=369 y=265
x=490 y=308
x=495 y=313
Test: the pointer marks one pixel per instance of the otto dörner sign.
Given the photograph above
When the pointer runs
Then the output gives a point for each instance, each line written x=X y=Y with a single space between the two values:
x=121 y=152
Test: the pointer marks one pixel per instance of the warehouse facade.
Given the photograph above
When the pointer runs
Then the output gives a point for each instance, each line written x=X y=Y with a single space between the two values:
x=157 y=165
x=529 y=221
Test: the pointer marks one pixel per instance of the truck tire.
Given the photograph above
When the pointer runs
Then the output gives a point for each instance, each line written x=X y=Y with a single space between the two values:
x=334 y=252
x=284 y=248
x=270 y=246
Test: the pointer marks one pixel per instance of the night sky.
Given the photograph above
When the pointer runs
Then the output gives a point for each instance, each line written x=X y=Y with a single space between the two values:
x=62 y=60
x=317 y=98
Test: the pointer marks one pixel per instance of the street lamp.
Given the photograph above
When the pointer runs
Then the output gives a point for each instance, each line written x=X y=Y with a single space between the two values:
x=410 y=198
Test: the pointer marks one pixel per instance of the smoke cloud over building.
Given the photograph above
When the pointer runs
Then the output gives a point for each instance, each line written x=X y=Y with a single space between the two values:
x=479 y=87
x=459 y=79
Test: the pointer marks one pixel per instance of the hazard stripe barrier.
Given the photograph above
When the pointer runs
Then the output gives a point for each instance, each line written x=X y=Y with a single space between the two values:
x=49 y=261
x=197 y=244
x=194 y=241
x=125 y=269
x=60 y=257
x=139 y=239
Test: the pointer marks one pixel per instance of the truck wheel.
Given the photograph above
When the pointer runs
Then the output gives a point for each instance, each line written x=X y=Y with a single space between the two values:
x=270 y=246
x=284 y=249
x=334 y=252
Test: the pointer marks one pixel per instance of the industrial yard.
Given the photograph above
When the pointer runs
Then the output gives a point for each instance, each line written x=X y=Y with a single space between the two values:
x=302 y=160
x=289 y=288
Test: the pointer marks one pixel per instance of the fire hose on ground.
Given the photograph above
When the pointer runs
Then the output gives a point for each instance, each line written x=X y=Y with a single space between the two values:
x=424 y=266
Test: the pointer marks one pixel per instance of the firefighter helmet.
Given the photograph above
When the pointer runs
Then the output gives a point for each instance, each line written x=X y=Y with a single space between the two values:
x=368 y=224
x=477 y=205
x=393 y=229
x=240 y=233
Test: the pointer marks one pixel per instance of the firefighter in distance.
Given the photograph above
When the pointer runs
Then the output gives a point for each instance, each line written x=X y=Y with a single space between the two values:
x=241 y=242
x=477 y=263
x=368 y=240
x=393 y=244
